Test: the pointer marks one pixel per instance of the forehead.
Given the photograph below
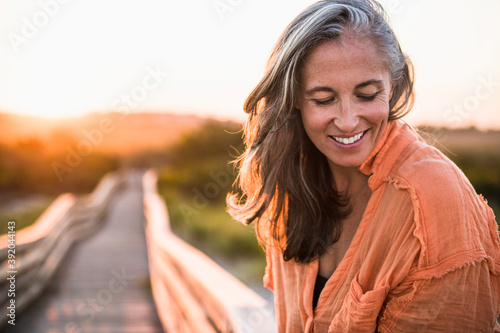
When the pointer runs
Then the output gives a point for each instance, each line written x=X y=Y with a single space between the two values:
x=352 y=58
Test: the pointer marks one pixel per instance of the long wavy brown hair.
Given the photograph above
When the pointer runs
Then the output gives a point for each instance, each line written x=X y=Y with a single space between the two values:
x=285 y=181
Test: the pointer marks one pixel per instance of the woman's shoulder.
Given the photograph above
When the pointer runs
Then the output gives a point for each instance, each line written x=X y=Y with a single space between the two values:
x=436 y=180
x=454 y=224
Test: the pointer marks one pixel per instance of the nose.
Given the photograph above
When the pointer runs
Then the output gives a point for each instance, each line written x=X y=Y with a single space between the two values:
x=347 y=118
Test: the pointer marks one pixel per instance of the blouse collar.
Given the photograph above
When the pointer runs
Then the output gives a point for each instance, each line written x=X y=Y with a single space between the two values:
x=396 y=137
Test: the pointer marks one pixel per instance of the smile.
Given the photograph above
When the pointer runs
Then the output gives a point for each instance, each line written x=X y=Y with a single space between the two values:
x=351 y=140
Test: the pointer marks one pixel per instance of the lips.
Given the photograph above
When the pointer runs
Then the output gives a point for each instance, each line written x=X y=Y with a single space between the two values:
x=350 y=140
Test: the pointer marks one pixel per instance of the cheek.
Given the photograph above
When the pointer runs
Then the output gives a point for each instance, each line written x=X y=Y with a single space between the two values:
x=379 y=110
x=314 y=126
x=377 y=115
x=312 y=121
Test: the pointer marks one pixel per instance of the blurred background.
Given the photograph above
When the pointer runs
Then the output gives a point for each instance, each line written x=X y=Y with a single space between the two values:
x=87 y=87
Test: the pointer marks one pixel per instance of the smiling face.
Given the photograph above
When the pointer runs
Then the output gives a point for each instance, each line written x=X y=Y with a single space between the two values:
x=345 y=88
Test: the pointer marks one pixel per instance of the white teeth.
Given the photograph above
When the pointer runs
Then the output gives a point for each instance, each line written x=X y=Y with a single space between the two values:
x=348 y=141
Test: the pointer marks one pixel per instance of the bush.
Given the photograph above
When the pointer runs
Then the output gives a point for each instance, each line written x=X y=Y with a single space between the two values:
x=194 y=184
x=28 y=167
x=483 y=171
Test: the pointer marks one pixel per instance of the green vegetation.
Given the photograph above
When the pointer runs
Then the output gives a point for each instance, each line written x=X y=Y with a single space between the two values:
x=211 y=230
x=31 y=167
x=24 y=217
x=194 y=184
x=483 y=171
x=28 y=168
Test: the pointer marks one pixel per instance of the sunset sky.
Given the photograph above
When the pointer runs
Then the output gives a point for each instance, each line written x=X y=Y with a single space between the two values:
x=72 y=57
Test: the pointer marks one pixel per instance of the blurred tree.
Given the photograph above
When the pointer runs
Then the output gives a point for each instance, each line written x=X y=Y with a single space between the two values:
x=26 y=167
x=202 y=157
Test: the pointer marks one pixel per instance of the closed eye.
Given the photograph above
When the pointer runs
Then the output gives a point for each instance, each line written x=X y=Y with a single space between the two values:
x=323 y=101
x=368 y=98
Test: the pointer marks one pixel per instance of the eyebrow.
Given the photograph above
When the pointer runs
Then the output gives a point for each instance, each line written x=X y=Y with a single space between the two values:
x=328 y=89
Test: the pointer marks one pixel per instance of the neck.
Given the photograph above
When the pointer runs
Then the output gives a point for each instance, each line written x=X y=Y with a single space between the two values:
x=350 y=181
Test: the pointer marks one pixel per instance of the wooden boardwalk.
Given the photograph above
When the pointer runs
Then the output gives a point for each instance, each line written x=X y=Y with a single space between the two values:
x=103 y=284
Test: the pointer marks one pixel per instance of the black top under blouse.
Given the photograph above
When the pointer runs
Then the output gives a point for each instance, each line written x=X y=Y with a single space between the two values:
x=318 y=287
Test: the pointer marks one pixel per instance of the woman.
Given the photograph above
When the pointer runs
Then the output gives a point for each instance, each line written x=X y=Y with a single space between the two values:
x=366 y=227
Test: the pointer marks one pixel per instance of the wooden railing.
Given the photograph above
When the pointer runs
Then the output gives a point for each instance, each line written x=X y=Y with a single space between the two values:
x=40 y=248
x=192 y=293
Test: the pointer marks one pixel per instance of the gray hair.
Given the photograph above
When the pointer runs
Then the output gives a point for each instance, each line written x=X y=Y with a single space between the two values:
x=330 y=20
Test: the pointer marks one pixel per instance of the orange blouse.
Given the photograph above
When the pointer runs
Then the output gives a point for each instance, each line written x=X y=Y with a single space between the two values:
x=425 y=257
